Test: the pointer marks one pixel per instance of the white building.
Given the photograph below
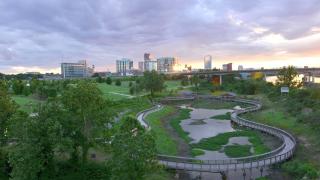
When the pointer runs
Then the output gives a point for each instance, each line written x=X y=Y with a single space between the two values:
x=207 y=61
x=141 y=66
x=166 y=64
x=124 y=66
x=150 y=65
x=240 y=67
x=76 y=70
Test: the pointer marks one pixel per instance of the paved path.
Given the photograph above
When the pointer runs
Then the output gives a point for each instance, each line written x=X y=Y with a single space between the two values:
x=280 y=154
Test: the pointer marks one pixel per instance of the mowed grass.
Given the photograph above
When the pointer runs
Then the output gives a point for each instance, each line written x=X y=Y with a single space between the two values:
x=114 y=92
x=212 y=104
x=26 y=103
x=175 y=123
x=164 y=143
x=197 y=152
x=217 y=142
x=171 y=85
x=235 y=151
x=226 y=116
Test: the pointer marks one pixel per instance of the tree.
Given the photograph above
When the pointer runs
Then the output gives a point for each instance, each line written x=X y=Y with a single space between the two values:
x=109 y=80
x=7 y=109
x=85 y=103
x=133 y=150
x=153 y=82
x=195 y=80
x=17 y=87
x=37 y=137
x=118 y=82
x=99 y=79
x=287 y=76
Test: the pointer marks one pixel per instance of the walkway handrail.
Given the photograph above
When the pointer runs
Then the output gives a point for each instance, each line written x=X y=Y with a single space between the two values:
x=277 y=155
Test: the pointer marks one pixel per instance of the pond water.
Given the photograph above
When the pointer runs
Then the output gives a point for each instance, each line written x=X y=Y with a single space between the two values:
x=201 y=125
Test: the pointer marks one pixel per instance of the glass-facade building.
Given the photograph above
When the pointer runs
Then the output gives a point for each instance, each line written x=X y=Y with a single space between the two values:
x=76 y=70
x=124 y=66
x=207 y=62
x=166 y=64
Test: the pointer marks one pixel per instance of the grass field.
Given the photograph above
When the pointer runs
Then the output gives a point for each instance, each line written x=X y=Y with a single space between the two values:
x=217 y=142
x=26 y=103
x=115 y=92
x=175 y=123
x=213 y=104
x=197 y=152
x=307 y=153
x=226 y=116
x=164 y=143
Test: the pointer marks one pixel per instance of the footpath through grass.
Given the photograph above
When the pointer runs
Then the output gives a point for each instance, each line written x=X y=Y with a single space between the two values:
x=164 y=143
x=175 y=123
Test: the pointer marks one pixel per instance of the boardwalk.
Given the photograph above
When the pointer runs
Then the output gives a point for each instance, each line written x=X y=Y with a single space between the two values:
x=280 y=154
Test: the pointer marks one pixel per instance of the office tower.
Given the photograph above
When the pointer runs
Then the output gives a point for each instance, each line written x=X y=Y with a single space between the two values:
x=124 y=66
x=76 y=70
x=207 y=62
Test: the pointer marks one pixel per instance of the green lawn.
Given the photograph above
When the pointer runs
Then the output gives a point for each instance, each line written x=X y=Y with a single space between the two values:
x=217 y=142
x=197 y=152
x=235 y=151
x=203 y=103
x=26 y=103
x=226 y=116
x=115 y=92
x=175 y=123
x=171 y=85
x=165 y=144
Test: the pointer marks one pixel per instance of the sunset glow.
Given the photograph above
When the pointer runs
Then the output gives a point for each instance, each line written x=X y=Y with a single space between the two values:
x=38 y=35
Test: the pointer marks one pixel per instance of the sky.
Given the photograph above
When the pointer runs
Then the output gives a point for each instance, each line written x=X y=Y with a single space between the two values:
x=37 y=35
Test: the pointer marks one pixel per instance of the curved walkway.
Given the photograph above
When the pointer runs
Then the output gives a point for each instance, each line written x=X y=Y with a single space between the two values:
x=280 y=154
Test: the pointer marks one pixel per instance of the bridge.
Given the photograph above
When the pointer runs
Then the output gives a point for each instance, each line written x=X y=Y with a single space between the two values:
x=309 y=73
x=284 y=152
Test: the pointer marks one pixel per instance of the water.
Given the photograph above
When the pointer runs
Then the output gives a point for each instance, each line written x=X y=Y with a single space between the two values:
x=201 y=125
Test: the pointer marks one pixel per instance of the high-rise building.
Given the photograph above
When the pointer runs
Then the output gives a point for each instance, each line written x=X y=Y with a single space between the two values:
x=141 y=66
x=240 y=68
x=227 y=67
x=150 y=65
x=124 y=66
x=166 y=64
x=76 y=70
x=207 y=62
x=147 y=57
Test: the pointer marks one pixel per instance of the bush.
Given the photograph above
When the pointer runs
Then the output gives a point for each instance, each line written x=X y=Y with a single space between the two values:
x=118 y=82
x=109 y=81
x=300 y=169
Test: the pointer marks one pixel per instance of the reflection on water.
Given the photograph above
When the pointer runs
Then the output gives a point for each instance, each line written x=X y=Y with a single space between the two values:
x=202 y=125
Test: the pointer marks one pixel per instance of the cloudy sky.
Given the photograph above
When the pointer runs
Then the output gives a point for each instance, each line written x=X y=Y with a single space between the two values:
x=37 y=35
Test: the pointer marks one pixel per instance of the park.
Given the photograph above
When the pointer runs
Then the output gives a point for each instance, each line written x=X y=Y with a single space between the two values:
x=159 y=127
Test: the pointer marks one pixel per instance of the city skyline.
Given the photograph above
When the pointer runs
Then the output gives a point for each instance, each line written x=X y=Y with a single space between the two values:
x=38 y=36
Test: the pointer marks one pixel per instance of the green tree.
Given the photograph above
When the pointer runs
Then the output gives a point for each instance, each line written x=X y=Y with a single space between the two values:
x=85 y=103
x=287 y=76
x=133 y=151
x=7 y=109
x=118 y=82
x=37 y=137
x=195 y=80
x=109 y=80
x=17 y=87
x=153 y=82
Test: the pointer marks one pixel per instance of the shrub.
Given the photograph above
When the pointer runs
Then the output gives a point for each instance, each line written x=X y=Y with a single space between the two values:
x=109 y=81
x=118 y=82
